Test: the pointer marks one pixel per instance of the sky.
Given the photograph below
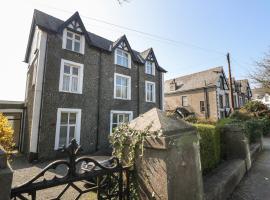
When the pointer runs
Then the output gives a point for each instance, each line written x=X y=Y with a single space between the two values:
x=187 y=35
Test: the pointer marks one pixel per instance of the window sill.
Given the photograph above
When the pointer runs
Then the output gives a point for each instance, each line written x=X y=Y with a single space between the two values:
x=122 y=66
x=150 y=101
x=70 y=92
x=117 y=98
x=78 y=53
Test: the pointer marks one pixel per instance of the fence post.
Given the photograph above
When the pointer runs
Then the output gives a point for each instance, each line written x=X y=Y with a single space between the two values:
x=6 y=175
x=170 y=167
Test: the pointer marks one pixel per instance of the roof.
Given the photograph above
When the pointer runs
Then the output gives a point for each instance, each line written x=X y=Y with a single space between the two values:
x=6 y=104
x=197 y=80
x=52 y=24
x=259 y=93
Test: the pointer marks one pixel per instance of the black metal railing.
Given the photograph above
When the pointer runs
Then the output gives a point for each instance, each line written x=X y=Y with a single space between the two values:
x=106 y=180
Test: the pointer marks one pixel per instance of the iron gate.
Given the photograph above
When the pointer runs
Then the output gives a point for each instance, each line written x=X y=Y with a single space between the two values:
x=107 y=180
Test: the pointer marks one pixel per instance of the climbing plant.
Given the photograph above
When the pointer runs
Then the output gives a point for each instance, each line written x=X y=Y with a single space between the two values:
x=126 y=142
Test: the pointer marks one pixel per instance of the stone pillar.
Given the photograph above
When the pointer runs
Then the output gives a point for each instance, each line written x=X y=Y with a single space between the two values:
x=170 y=167
x=6 y=175
x=236 y=144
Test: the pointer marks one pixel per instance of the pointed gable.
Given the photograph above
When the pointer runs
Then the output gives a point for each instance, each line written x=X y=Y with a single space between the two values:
x=149 y=55
x=75 y=24
x=122 y=43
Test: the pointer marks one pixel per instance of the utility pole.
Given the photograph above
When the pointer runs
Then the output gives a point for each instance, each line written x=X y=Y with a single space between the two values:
x=230 y=81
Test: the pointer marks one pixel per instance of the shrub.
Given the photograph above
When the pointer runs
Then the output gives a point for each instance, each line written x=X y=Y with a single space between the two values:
x=255 y=106
x=240 y=115
x=191 y=119
x=209 y=146
x=265 y=126
x=253 y=129
x=6 y=134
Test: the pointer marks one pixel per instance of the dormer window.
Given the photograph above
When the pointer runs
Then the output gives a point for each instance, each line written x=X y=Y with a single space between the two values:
x=73 y=41
x=150 y=67
x=122 y=58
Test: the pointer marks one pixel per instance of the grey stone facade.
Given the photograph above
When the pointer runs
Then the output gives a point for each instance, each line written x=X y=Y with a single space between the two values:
x=97 y=98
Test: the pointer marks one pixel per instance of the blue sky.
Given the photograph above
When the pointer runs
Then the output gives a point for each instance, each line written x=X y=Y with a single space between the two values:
x=199 y=33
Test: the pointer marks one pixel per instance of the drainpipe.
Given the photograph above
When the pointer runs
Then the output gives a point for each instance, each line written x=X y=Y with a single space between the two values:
x=138 y=88
x=98 y=100
x=206 y=101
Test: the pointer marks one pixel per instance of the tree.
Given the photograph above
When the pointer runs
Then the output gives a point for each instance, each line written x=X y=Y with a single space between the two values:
x=6 y=134
x=261 y=75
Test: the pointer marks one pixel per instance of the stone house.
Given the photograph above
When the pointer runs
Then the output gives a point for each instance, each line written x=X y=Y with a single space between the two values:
x=241 y=92
x=81 y=85
x=205 y=93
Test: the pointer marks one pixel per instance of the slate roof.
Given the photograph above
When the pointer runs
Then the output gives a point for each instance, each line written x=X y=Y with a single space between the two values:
x=52 y=24
x=197 y=80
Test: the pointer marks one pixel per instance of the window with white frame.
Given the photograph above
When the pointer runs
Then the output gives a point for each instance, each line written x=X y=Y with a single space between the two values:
x=71 y=77
x=73 y=41
x=122 y=58
x=120 y=117
x=184 y=101
x=67 y=126
x=150 y=91
x=122 y=86
x=150 y=67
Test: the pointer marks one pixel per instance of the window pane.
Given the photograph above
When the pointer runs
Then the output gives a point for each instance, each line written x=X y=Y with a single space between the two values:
x=118 y=91
x=118 y=80
x=69 y=34
x=114 y=118
x=126 y=118
x=63 y=136
x=124 y=92
x=118 y=60
x=124 y=81
x=77 y=46
x=121 y=118
x=71 y=133
x=74 y=84
x=66 y=80
x=67 y=69
x=64 y=118
x=69 y=44
x=72 y=118
x=125 y=62
x=75 y=71
x=77 y=37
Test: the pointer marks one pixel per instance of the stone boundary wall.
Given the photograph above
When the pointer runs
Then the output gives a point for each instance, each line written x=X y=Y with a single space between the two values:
x=6 y=175
x=224 y=179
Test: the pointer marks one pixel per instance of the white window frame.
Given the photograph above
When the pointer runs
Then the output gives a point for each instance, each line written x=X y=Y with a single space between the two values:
x=154 y=92
x=115 y=57
x=80 y=76
x=129 y=86
x=182 y=99
x=152 y=66
x=119 y=112
x=58 y=123
x=82 y=41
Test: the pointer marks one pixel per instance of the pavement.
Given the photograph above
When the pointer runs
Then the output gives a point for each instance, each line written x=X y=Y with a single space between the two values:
x=256 y=184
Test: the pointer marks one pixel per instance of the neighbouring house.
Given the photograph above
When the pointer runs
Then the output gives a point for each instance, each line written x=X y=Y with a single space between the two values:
x=241 y=92
x=261 y=94
x=14 y=111
x=81 y=85
x=204 y=93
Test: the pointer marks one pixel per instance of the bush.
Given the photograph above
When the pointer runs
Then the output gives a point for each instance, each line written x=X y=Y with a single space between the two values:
x=209 y=146
x=240 y=115
x=6 y=134
x=255 y=106
x=265 y=126
x=191 y=119
x=253 y=129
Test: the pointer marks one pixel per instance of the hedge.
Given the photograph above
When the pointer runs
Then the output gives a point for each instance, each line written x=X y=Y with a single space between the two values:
x=209 y=146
